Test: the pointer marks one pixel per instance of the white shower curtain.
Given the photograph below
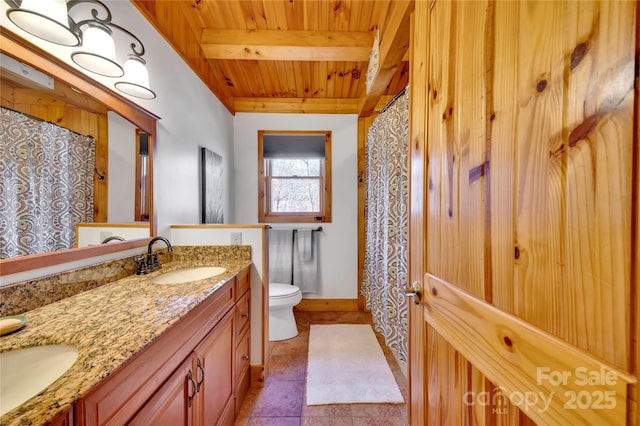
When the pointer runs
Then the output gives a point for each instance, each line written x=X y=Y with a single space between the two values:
x=386 y=214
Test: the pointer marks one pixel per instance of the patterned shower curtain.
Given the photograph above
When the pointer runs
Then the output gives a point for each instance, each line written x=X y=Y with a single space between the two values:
x=46 y=184
x=387 y=224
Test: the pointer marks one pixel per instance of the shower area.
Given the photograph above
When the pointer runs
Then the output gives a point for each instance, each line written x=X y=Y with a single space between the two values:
x=385 y=268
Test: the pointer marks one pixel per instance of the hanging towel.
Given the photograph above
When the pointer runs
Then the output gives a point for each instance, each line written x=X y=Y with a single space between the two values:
x=304 y=244
x=305 y=272
x=280 y=255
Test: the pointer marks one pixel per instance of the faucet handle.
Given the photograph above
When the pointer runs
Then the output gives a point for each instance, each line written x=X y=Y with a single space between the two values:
x=141 y=263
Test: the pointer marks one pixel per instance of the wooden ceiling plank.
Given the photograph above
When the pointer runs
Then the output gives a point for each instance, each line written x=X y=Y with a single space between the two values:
x=312 y=10
x=360 y=16
x=319 y=78
x=330 y=79
x=254 y=15
x=393 y=45
x=340 y=15
x=299 y=79
x=295 y=15
x=297 y=105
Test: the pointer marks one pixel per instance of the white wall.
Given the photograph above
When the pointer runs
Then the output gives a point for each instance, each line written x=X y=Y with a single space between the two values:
x=338 y=242
x=122 y=169
x=191 y=117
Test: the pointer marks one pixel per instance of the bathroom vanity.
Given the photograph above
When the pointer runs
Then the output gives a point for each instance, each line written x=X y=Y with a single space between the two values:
x=148 y=353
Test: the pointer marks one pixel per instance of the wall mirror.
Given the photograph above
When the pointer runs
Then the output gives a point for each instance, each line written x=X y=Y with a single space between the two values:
x=88 y=99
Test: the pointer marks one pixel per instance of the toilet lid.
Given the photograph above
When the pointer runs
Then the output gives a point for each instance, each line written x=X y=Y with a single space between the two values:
x=277 y=290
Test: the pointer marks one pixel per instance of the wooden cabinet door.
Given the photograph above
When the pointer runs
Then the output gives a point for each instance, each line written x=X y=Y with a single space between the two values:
x=214 y=374
x=172 y=404
x=526 y=203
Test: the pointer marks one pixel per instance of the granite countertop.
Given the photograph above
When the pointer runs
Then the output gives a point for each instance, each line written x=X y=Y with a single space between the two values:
x=108 y=325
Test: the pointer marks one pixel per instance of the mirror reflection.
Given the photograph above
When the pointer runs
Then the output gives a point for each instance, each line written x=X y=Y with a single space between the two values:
x=69 y=165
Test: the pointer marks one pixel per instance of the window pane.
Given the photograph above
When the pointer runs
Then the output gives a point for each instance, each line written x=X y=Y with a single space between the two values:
x=295 y=195
x=295 y=166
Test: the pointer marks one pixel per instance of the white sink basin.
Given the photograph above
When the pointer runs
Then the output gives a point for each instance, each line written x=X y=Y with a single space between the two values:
x=24 y=373
x=185 y=275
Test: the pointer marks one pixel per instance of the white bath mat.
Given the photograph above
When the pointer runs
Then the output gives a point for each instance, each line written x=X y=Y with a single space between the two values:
x=347 y=366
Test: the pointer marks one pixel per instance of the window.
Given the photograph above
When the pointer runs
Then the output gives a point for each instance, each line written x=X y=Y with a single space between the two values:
x=294 y=176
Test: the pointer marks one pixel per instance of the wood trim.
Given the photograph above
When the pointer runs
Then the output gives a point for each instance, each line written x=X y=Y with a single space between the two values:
x=36 y=261
x=264 y=294
x=296 y=105
x=211 y=226
x=523 y=360
x=633 y=405
x=257 y=376
x=364 y=123
x=418 y=107
x=112 y=225
x=333 y=305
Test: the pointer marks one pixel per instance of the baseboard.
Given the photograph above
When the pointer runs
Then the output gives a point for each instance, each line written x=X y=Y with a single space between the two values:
x=257 y=376
x=318 y=305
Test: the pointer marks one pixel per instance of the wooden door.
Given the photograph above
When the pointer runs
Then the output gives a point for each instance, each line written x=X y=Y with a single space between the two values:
x=214 y=372
x=171 y=404
x=524 y=178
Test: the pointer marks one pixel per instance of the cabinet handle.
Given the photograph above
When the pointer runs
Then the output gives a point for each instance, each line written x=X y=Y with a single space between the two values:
x=192 y=387
x=202 y=371
x=245 y=357
x=245 y=315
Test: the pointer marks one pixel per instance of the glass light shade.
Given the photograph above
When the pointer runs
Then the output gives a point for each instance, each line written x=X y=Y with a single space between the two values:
x=136 y=82
x=45 y=19
x=99 y=52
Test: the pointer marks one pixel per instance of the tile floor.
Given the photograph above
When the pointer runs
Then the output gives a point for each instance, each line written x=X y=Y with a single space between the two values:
x=281 y=402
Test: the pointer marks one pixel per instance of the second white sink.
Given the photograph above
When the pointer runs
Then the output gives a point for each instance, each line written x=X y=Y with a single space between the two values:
x=184 y=275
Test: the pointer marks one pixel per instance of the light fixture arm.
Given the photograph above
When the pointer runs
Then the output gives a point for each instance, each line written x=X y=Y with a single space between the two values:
x=136 y=46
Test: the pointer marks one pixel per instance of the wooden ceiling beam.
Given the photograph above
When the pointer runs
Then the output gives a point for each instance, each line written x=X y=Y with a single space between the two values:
x=393 y=46
x=277 y=45
x=297 y=105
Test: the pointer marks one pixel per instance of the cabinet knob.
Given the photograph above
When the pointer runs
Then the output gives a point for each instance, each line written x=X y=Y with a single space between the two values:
x=245 y=315
x=245 y=357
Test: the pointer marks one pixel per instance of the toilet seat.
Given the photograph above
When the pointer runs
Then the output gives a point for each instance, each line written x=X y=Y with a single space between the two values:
x=280 y=291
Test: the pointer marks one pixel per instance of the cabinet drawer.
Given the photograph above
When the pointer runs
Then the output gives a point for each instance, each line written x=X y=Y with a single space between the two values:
x=243 y=309
x=242 y=282
x=242 y=356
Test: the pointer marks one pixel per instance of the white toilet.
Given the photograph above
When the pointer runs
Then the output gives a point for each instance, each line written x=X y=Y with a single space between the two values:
x=282 y=299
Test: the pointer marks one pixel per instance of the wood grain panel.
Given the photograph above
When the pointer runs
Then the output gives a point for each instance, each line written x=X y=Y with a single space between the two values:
x=418 y=102
x=524 y=360
x=530 y=187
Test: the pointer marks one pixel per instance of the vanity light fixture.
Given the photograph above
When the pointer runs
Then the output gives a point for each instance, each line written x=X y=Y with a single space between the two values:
x=88 y=26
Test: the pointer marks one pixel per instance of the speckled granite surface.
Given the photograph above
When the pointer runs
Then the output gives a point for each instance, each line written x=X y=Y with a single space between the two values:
x=28 y=295
x=111 y=323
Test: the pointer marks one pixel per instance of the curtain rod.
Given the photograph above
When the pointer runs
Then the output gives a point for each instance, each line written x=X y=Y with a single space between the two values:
x=318 y=229
x=393 y=100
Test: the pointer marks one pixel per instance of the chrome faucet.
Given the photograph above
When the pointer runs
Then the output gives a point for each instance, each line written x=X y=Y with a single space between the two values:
x=149 y=263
